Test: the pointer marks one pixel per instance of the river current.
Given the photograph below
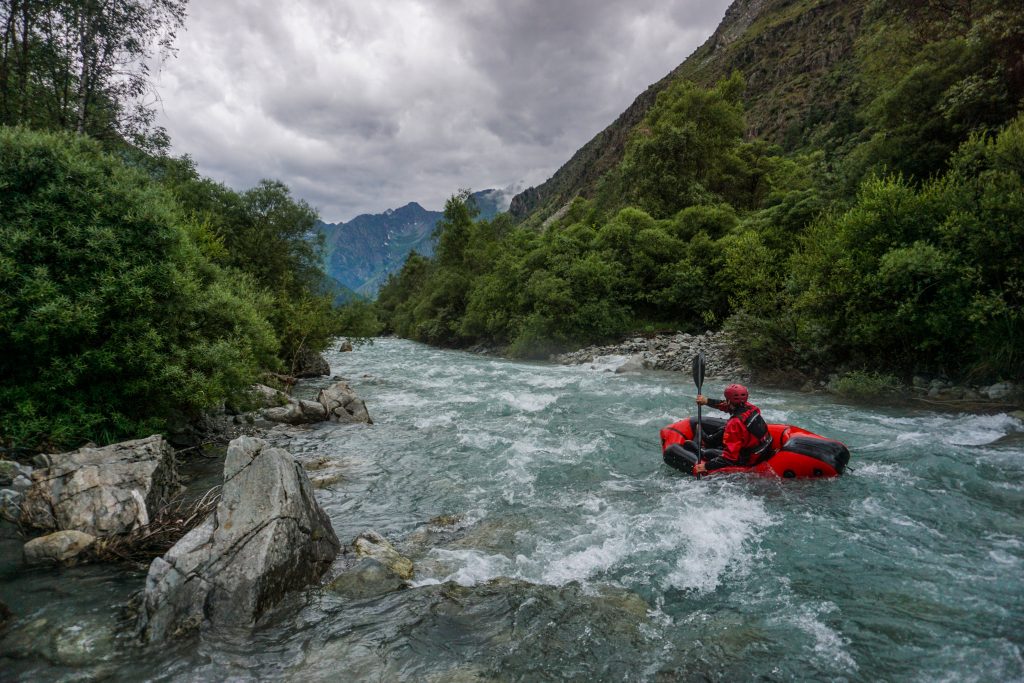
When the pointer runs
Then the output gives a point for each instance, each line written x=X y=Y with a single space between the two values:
x=551 y=543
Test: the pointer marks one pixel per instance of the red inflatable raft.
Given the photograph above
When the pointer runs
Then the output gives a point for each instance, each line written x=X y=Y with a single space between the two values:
x=796 y=452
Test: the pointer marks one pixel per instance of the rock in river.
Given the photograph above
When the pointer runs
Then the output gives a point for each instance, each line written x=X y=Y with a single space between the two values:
x=102 y=491
x=267 y=536
x=60 y=547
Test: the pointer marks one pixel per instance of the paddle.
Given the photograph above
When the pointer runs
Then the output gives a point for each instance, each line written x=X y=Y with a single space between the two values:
x=698 y=379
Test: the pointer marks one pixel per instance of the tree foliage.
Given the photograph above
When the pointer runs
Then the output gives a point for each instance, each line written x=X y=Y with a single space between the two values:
x=113 y=316
x=83 y=65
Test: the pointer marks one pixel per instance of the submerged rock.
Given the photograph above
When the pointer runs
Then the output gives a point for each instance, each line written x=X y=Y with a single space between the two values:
x=60 y=547
x=371 y=544
x=368 y=578
x=102 y=491
x=267 y=536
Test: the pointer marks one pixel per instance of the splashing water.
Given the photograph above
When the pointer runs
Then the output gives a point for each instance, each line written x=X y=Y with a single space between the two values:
x=577 y=554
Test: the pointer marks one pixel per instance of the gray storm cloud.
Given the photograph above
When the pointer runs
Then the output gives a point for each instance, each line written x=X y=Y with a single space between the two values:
x=364 y=106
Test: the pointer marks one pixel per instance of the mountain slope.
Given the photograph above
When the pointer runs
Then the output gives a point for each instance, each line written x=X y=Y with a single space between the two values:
x=794 y=55
x=361 y=253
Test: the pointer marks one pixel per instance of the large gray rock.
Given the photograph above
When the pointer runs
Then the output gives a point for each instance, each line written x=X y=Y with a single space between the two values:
x=60 y=547
x=102 y=491
x=343 y=405
x=296 y=412
x=267 y=536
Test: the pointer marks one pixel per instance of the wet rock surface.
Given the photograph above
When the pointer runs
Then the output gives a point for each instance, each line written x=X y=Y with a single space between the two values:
x=60 y=547
x=267 y=536
x=102 y=491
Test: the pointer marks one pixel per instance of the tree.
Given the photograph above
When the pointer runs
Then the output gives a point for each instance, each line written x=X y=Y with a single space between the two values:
x=112 y=318
x=83 y=65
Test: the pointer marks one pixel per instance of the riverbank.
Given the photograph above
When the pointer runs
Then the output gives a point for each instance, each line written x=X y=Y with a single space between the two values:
x=675 y=353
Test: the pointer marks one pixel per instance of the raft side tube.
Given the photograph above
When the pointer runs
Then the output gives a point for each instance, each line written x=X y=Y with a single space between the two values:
x=833 y=453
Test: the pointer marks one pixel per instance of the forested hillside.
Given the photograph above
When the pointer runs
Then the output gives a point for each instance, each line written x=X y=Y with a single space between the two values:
x=838 y=183
x=133 y=292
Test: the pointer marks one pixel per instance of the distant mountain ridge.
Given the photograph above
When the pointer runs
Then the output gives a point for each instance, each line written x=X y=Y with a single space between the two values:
x=361 y=253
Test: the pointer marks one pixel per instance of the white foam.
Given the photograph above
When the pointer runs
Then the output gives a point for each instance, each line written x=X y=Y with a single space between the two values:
x=527 y=401
x=828 y=643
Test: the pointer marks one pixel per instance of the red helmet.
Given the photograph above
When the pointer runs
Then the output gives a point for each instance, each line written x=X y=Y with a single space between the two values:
x=736 y=394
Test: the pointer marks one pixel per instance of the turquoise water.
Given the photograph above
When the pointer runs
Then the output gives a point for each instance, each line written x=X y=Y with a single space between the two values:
x=577 y=555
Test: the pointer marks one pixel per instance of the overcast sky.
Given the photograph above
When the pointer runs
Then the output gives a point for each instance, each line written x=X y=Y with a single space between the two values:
x=364 y=105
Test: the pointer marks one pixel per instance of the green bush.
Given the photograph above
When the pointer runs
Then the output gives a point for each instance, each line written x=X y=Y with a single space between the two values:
x=112 y=317
x=864 y=385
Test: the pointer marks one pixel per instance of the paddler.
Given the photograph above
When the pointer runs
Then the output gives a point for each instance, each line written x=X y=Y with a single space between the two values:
x=744 y=440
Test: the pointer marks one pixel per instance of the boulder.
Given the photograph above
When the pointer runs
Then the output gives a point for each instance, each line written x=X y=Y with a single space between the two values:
x=8 y=471
x=296 y=412
x=1000 y=391
x=10 y=505
x=268 y=397
x=267 y=536
x=345 y=346
x=60 y=547
x=635 y=363
x=343 y=405
x=368 y=578
x=310 y=364
x=102 y=491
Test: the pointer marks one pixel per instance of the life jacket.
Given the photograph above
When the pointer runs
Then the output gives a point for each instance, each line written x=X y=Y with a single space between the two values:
x=758 y=429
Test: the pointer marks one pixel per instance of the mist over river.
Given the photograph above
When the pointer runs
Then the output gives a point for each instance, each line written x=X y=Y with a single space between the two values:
x=568 y=551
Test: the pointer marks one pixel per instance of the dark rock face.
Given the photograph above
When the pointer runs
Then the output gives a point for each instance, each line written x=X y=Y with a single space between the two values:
x=102 y=491
x=310 y=364
x=267 y=536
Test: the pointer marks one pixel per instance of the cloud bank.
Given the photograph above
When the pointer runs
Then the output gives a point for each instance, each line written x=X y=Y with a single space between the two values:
x=361 y=106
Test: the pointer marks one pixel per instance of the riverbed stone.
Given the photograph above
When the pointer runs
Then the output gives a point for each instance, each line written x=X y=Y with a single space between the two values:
x=8 y=471
x=103 y=491
x=368 y=578
x=373 y=545
x=60 y=547
x=999 y=391
x=267 y=536
x=10 y=505
x=634 y=363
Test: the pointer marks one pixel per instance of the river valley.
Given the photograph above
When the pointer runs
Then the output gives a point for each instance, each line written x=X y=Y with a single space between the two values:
x=551 y=543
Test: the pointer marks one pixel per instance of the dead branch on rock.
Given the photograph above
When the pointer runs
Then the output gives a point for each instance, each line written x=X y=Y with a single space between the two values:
x=167 y=527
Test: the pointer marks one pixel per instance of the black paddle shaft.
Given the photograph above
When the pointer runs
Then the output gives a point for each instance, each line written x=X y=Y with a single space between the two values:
x=698 y=379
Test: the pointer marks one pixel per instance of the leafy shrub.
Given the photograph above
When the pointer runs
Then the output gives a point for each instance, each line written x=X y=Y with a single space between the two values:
x=111 y=315
x=862 y=384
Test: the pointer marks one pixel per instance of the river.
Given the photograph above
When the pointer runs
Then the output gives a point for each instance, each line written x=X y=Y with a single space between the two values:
x=561 y=547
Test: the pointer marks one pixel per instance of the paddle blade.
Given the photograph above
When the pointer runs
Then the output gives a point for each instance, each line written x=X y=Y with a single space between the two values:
x=698 y=370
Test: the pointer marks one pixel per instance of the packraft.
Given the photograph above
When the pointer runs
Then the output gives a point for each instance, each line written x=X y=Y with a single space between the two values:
x=795 y=453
